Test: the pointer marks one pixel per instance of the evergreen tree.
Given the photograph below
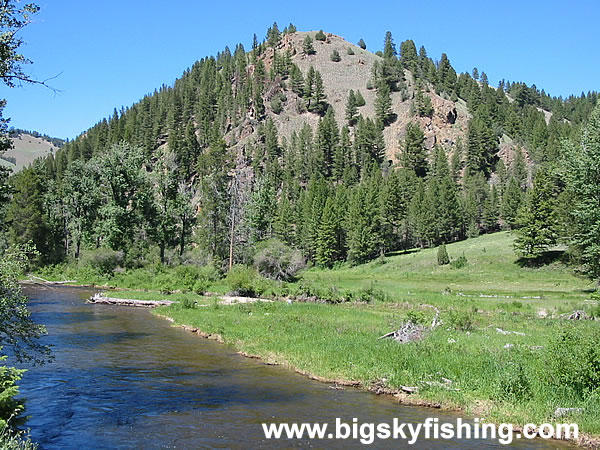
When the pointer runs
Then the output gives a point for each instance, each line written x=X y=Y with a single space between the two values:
x=307 y=46
x=389 y=48
x=351 y=109
x=414 y=156
x=329 y=235
x=383 y=104
x=511 y=201
x=361 y=44
x=536 y=220
x=335 y=56
x=320 y=36
x=583 y=182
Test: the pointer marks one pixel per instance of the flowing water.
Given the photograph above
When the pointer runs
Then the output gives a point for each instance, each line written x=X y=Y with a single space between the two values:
x=123 y=378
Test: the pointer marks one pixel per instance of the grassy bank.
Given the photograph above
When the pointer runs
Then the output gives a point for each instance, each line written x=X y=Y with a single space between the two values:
x=537 y=362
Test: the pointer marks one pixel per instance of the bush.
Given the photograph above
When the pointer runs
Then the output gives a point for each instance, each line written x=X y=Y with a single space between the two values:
x=572 y=360
x=103 y=260
x=442 y=256
x=335 y=56
x=277 y=261
x=513 y=383
x=370 y=294
x=350 y=51
x=9 y=406
x=201 y=286
x=460 y=320
x=460 y=262
x=320 y=36
x=245 y=281
x=276 y=105
x=188 y=303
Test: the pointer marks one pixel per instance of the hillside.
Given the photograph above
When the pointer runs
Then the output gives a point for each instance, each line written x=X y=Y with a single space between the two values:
x=448 y=123
x=337 y=151
x=26 y=149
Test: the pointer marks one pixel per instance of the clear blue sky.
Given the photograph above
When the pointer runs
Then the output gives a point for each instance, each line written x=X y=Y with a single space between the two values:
x=111 y=53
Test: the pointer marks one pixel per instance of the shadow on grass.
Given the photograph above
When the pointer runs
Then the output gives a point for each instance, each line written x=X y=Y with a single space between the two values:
x=403 y=252
x=544 y=259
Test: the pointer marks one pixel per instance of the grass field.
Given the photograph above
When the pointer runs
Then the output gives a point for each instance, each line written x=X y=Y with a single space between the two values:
x=537 y=362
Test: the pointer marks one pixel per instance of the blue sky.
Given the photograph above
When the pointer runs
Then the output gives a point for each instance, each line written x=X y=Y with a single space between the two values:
x=111 y=53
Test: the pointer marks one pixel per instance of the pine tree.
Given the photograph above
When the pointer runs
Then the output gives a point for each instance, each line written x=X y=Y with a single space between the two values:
x=389 y=48
x=351 y=109
x=383 y=104
x=328 y=239
x=583 y=183
x=335 y=56
x=320 y=36
x=307 y=46
x=360 y=100
x=361 y=44
x=414 y=156
x=442 y=256
x=537 y=220
x=511 y=201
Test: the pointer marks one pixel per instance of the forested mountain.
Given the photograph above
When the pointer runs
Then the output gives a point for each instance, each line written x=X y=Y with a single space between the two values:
x=340 y=152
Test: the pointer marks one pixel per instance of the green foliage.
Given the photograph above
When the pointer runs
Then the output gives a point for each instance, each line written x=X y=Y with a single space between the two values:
x=277 y=261
x=245 y=281
x=102 y=260
x=442 y=256
x=307 y=46
x=15 y=440
x=514 y=384
x=17 y=329
x=459 y=262
x=460 y=320
x=537 y=222
x=335 y=56
x=583 y=183
x=320 y=36
x=361 y=44
x=349 y=51
x=414 y=156
x=572 y=361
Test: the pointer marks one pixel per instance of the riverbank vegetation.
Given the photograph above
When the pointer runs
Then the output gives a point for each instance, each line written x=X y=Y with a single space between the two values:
x=506 y=349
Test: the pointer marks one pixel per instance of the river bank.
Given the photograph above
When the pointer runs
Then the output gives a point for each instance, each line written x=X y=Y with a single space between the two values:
x=338 y=345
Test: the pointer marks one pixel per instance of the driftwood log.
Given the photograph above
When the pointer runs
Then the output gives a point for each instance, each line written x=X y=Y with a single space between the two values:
x=101 y=299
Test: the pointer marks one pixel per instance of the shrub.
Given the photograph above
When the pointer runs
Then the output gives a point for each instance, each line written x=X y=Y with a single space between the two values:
x=460 y=320
x=103 y=260
x=362 y=44
x=572 y=360
x=442 y=256
x=370 y=294
x=513 y=383
x=320 y=36
x=276 y=105
x=9 y=406
x=350 y=51
x=335 y=56
x=201 y=286
x=277 y=261
x=245 y=281
x=188 y=303
x=460 y=262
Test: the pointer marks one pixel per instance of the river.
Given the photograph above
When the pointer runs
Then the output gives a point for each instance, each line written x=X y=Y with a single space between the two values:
x=123 y=378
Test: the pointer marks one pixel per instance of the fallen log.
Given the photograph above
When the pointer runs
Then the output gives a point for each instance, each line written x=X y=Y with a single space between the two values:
x=102 y=300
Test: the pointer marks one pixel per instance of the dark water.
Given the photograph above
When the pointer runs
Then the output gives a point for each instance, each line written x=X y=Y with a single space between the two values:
x=125 y=379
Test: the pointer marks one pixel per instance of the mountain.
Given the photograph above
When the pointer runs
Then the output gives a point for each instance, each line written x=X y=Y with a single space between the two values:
x=340 y=152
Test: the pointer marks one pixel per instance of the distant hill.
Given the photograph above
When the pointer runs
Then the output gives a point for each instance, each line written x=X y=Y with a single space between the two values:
x=27 y=147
